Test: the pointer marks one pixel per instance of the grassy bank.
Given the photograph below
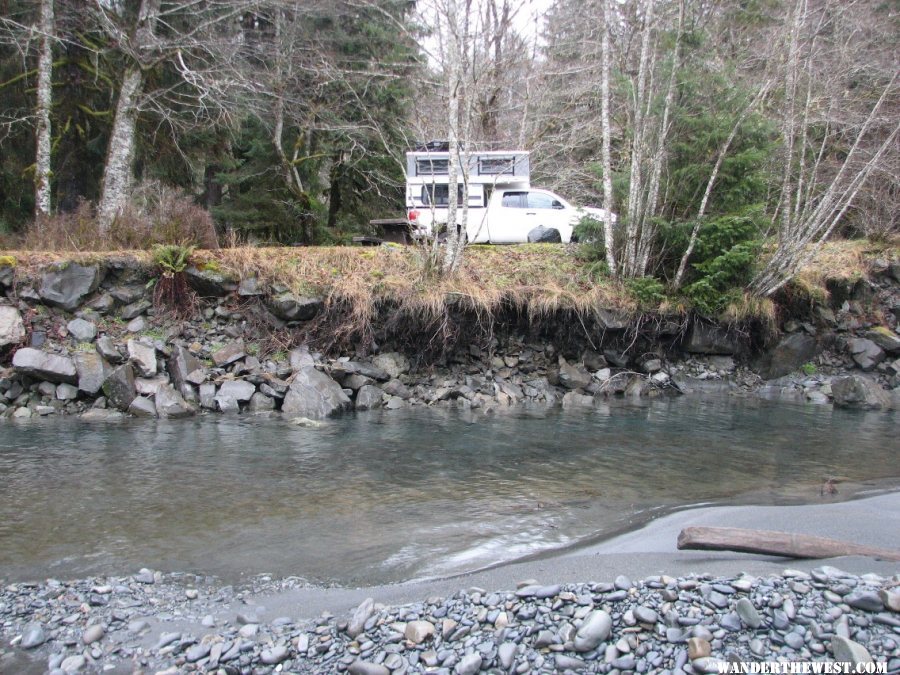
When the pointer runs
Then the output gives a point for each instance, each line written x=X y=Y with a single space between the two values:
x=539 y=279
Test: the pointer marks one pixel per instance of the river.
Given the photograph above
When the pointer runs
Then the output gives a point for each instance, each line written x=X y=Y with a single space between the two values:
x=389 y=496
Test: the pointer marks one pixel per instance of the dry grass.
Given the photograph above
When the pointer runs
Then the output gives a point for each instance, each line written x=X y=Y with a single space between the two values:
x=846 y=259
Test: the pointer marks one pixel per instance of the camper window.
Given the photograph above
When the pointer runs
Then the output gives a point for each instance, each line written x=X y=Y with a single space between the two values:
x=438 y=194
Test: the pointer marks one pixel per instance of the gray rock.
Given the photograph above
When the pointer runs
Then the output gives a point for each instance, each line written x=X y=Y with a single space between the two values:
x=129 y=293
x=859 y=392
x=731 y=622
x=135 y=309
x=149 y=386
x=239 y=390
x=142 y=407
x=51 y=367
x=33 y=636
x=185 y=369
x=870 y=601
x=748 y=613
x=230 y=353
x=645 y=615
x=106 y=347
x=564 y=662
x=392 y=363
x=846 y=650
x=259 y=402
x=359 y=617
x=314 y=395
x=92 y=370
x=136 y=325
x=274 y=655
x=507 y=654
x=290 y=307
x=93 y=634
x=12 y=328
x=171 y=404
x=101 y=415
x=885 y=338
x=209 y=283
x=788 y=355
x=572 y=376
x=418 y=631
x=143 y=358
x=359 y=667
x=594 y=630
x=72 y=664
x=468 y=665
x=368 y=397
x=208 y=396
x=197 y=652
x=66 y=392
x=119 y=387
x=865 y=353
x=67 y=285
x=890 y=599
x=7 y=275
x=397 y=388
x=611 y=320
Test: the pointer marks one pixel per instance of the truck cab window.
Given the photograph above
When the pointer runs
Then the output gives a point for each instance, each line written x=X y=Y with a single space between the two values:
x=539 y=200
x=514 y=200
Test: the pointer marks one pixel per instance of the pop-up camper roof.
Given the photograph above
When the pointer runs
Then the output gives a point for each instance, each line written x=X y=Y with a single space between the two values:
x=430 y=163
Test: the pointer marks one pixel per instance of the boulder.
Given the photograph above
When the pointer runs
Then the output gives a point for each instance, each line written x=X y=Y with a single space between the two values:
x=704 y=338
x=66 y=286
x=81 y=330
x=572 y=376
x=859 y=392
x=885 y=338
x=397 y=388
x=12 y=328
x=119 y=387
x=134 y=310
x=392 y=363
x=866 y=354
x=290 y=307
x=143 y=357
x=171 y=404
x=314 y=395
x=209 y=283
x=92 y=371
x=185 y=369
x=107 y=348
x=788 y=355
x=142 y=406
x=51 y=367
x=259 y=402
x=128 y=294
x=368 y=397
x=234 y=351
x=239 y=390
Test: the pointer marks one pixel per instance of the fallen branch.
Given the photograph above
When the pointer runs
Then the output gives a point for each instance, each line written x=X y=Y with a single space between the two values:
x=767 y=542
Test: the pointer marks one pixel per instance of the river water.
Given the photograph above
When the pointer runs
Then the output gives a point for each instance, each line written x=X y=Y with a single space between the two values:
x=390 y=496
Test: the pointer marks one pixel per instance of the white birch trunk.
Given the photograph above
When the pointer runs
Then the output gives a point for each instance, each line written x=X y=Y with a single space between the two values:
x=608 y=234
x=42 y=194
x=454 y=91
x=117 y=174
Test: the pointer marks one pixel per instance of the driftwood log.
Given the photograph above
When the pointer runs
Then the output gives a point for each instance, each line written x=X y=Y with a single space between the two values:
x=767 y=542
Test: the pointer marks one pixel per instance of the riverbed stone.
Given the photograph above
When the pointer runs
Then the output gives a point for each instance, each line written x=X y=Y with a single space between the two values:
x=67 y=285
x=788 y=356
x=66 y=392
x=171 y=404
x=143 y=357
x=468 y=665
x=846 y=650
x=290 y=307
x=239 y=390
x=748 y=613
x=92 y=370
x=314 y=395
x=859 y=392
x=228 y=354
x=93 y=634
x=394 y=364
x=368 y=397
x=51 y=367
x=12 y=328
x=259 y=402
x=573 y=376
x=418 y=631
x=360 y=667
x=865 y=353
x=119 y=387
x=33 y=636
x=359 y=617
x=142 y=406
x=595 y=629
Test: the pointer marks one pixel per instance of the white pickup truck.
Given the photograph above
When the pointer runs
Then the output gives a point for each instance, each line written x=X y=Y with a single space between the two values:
x=510 y=216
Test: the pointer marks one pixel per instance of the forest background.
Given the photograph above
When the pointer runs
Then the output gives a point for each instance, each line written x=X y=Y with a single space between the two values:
x=731 y=137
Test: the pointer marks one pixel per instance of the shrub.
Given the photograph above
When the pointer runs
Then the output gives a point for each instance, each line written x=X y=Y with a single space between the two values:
x=648 y=292
x=171 y=292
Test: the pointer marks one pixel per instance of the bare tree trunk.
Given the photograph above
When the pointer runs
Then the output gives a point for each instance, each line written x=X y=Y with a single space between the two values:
x=635 y=186
x=790 y=125
x=42 y=194
x=117 y=174
x=608 y=234
x=723 y=151
x=454 y=92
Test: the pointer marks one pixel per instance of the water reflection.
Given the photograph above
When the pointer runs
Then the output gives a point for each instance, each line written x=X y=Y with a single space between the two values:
x=385 y=496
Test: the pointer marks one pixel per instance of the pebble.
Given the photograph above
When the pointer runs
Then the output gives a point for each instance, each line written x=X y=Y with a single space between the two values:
x=93 y=634
x=33 y=636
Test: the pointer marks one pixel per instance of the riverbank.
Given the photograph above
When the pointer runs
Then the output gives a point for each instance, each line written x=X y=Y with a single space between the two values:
x=318 y=332
x=632 y=603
